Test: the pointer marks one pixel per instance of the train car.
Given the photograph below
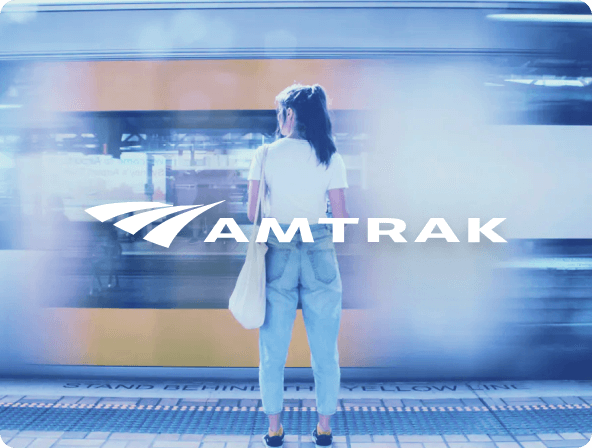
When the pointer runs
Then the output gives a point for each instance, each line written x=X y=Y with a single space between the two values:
x=454 y=109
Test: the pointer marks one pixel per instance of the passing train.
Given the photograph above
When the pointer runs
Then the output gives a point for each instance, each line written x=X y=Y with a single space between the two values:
x=451 y=109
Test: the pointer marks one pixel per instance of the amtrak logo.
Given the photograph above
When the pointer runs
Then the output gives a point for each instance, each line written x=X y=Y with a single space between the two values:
x=163 y=234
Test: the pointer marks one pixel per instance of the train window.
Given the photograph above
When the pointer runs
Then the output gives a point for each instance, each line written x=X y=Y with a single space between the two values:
x=59 y=160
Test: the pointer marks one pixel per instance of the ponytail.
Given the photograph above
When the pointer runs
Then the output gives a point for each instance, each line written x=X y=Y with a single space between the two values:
x=312 y=117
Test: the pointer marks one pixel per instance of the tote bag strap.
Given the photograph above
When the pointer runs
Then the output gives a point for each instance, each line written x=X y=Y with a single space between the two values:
x=259 y=218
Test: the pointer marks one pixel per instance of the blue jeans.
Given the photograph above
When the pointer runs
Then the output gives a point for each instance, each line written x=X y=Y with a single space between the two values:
x=308 y=271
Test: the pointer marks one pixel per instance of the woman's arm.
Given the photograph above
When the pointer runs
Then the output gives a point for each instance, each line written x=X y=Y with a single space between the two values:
x=337 y=199
x=252 y=201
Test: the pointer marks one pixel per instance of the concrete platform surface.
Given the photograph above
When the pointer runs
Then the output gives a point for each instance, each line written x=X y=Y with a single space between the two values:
x=219 y=413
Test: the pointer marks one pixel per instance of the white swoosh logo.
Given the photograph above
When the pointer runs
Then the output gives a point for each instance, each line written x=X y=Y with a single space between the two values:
x=164 y=233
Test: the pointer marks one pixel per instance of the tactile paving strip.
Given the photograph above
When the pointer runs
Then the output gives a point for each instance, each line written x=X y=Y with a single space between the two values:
x=495 y=420
x=531 y=420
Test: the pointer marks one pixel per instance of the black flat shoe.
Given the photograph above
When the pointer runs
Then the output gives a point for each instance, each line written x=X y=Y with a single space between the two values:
x=273 y=441
x=322 y=440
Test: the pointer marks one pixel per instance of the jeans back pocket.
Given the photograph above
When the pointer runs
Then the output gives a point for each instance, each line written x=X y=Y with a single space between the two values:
x=275 y=263
x=323 y=263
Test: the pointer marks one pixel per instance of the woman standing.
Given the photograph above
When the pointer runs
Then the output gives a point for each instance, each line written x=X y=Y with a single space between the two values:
x=301 y=171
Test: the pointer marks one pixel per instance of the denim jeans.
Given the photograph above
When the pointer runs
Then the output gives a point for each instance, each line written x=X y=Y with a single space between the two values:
x=309 y=272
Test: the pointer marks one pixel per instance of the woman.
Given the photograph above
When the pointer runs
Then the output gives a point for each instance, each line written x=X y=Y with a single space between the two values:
x=301 y=170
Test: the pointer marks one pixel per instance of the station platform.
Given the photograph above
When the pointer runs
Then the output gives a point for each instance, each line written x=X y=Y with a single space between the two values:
x=111 y=413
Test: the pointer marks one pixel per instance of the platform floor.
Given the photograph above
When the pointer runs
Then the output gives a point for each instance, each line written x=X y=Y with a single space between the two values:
x=143 y=414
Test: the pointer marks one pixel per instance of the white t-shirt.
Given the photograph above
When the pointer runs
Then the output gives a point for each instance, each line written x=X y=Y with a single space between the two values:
x=296 y=181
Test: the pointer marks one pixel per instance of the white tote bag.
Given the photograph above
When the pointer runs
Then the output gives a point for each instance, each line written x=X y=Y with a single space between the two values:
x=247 y=302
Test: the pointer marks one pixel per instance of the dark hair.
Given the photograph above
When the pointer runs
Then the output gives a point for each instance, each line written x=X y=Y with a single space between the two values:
x=312 y=117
